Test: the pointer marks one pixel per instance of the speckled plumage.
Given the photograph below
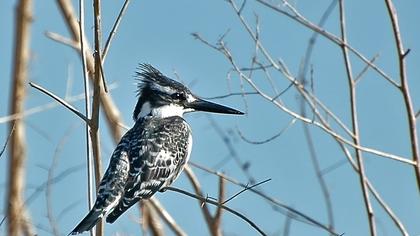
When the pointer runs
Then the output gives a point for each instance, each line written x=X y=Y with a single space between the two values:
x=149 y=157
x=152 y=154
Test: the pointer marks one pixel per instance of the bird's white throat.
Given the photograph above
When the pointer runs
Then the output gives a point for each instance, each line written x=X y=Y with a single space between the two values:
x=162 y=111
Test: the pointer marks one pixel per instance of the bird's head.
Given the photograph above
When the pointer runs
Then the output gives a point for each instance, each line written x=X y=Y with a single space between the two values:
x=161 y=96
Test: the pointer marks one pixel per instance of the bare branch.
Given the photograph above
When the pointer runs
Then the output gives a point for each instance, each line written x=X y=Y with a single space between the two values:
x=7 y=140
x=355 y=124
x=303 y=21
x=89 y=159
x=17 y=147
x=215 y=203
x=112 y=113
x=217 y=218
x=61 y=101
x=272 y=201
x=61 y=39
x=291 y=123
x=57 y=151
x=114 y=30
x=169 y=220
x=321 y=125
x=197 y=189
x=405 y=89
x=150 y=220
x=311 y=146
x=363 y=71
x=232 y=151
x=27 y=225
x=44 y=107
x=245 y=189
x=230 y=95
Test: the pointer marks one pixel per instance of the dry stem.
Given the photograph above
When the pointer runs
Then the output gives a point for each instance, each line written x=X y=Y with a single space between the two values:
x=17 y=148
x=355 y=125
x=404 y=88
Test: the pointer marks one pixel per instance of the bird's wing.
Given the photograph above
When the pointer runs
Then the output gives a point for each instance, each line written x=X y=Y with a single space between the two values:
x=157 y=158
x=110 y=190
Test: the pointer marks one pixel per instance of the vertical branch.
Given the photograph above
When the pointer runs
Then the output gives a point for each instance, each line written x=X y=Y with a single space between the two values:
x=87 y=110
x=97 y=90
x=169 y=220
x=320 y=178
x=197 y=190
x=309 y=140
x=114 y=30
x=404 y=88
x=149 y=219
x=17 y=146
x=217 y=218
x=112 y=113
x=355 y=125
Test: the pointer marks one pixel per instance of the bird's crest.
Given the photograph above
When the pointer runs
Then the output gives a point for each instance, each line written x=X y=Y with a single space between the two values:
x=150 y=83
x=147 y=75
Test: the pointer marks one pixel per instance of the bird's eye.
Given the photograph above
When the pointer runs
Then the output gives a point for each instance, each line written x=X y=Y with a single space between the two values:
x=178 y=96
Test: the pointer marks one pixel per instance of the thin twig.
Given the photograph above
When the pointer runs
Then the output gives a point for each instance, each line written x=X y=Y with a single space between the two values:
x=52 y=221
x=114 y=30
x=245 y=189
x=232 y=151
x=303 y=21
x=355 y=124
x=363 y=71
x=45 y=107
x=215 y=203
x=300 y=88
x=230 y=95
x=333 y=166
x=272 y=201
x=290 y=124
x=287 y=225
x=98 y=77
x=43 y=186
x=217 y=217
x=59 y=100
x=61 y=39
x=111 y=111
x=321 y=125
x=405 y=89
x=89 y=159
x=308 y=137
x=8 y=138
x=311 y=44
x=259 y=67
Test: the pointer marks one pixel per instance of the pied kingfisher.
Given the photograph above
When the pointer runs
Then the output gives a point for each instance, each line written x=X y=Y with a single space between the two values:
x=152 y=154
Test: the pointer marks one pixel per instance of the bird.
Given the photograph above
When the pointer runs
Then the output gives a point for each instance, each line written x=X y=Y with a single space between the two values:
x=153 y=153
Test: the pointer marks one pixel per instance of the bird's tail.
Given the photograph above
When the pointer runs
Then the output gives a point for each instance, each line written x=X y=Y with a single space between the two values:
x=88 y=222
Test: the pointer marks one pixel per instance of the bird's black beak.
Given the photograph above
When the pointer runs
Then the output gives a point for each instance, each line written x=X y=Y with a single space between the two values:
x=202 y=105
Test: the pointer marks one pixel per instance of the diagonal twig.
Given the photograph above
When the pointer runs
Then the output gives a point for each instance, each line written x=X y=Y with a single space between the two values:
x=7 y=140
x=215 y=203
x=245 y=189
x=355 y=123
x=59 y=100
x=114 y=30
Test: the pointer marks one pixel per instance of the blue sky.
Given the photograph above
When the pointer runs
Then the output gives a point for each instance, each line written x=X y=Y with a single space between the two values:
x=159 y=33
